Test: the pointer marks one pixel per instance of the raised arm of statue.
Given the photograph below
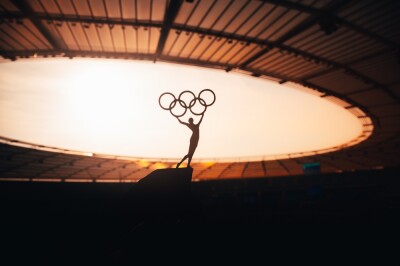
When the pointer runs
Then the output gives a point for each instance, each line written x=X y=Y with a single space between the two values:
x=183 y=123
x=201 y=119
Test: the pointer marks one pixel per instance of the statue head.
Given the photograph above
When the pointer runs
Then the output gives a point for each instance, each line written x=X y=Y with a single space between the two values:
x=191 y=120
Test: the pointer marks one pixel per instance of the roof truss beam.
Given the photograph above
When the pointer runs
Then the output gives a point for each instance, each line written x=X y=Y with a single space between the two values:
x=174 y=8
x=84 y=19
x=71 y=54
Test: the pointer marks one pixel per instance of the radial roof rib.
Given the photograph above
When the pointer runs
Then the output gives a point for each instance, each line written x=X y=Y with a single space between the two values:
x=27 y=10
x=170 y=15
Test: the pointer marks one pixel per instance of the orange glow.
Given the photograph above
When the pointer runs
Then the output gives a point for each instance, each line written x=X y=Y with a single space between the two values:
x=158 y=165
x=111 y=107
x=207 y=164
x=143 y=163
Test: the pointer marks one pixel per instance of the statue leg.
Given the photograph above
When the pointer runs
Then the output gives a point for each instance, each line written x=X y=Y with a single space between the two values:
x=184 y=158
x=190 y=159
x=192 y=148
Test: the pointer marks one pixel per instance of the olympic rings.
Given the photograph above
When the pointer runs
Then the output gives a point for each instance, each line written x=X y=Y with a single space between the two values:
x=185 y=104
x=159 y=100
x=173 y=104
x=213 y=96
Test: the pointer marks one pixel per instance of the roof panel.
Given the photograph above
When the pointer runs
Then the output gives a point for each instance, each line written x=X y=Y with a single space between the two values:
x=154 y=38
x=228 y=17
x=234 y=49
x=93 y=37
x=302 y=70
x=171 y=39
x=97 y=8
x=158 y=11
x=106 y=38
x=113 y=8
x=176 y=42
x=338 y=81
x=118 y=37
x=244 y=17
x=66 y=7
x=392 y=125
x=67 y=36
x=49 y=6
x=386 y=110
x=128 y=9
x=201 y=46
x=395 y=89
x=254 y=169
x=186 y=10
x=372 y=97
x=198 y=14
x=255 y=19
x=289 y=63
x=286 y=25
x=232 y=170
x=268 y=57
x=143 y=40
x=349 y=56
x=207 y=13
x=131 y=38
x=36 y=6
x=80 y=37
x=372 y=68
x=309 y=35
x=5 y=46
x=269 y=19
x=355 y=7
x=190 y=45
x=143 y=10
x=215 y=45
x=12 y=36
x=224 y=48
x=29 y=31
x=82 y=8
x=245 y=53
x=348 y=53
x=7 y=5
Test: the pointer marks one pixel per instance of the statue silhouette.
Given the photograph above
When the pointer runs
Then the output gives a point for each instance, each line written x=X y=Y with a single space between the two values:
x=196 y=105
x=194 y=139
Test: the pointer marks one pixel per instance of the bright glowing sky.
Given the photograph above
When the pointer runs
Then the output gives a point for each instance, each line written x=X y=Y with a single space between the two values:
x=111 y=107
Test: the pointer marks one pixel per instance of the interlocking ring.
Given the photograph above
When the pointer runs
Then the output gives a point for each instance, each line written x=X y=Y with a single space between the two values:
x=186 y=100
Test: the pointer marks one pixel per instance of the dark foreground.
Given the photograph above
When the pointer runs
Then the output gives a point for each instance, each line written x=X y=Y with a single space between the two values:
x=347 y=218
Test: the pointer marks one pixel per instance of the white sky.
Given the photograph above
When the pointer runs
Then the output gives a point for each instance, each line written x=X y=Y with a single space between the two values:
x=111 y=107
